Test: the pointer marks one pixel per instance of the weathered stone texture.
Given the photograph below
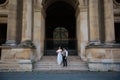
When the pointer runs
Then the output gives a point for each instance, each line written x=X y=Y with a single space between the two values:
x=103 y=59
x=16 y=54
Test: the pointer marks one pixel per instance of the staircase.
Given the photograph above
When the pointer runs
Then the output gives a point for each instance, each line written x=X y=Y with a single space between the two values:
x=50 y=63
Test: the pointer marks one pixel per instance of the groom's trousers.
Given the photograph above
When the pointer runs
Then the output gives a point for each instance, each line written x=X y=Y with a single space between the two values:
x=64 y=61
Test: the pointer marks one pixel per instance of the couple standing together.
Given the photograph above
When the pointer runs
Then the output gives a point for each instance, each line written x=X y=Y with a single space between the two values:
x=62 y=56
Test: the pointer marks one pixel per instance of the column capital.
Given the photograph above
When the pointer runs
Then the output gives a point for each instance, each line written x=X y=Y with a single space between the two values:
x=81 y=8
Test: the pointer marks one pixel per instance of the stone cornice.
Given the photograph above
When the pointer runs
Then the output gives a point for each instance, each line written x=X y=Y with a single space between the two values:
x=3 y=19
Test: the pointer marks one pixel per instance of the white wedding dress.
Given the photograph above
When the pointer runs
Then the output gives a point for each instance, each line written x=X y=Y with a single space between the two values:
x=59 y=56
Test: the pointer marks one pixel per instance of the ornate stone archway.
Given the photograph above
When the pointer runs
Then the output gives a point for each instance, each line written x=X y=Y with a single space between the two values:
x=81 y=23
x=47 y=3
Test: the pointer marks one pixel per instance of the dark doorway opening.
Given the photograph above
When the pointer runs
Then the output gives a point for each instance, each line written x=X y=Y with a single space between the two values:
x=3 y=33
x=117 y=32
x=60 y=28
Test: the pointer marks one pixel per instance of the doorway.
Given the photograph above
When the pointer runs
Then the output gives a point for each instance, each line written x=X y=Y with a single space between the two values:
x=3 y=33
x=60 y=28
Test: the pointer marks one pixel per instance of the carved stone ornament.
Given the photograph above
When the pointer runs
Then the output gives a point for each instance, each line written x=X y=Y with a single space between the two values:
x=3 y=3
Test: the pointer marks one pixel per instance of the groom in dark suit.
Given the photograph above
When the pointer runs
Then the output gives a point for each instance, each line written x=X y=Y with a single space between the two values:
x=64 y=55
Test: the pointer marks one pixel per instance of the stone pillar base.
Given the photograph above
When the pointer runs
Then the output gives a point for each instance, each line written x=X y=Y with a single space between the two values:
x=107 y=65
x=16 y=59
x=103 y=58
x=13 y=66
x=92 y=43
x=10 y=43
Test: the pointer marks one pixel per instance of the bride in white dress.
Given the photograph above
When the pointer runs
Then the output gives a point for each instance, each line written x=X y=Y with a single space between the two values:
x=59 y=56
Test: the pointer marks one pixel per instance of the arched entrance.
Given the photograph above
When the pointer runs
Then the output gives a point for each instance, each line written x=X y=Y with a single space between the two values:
x=60 y=28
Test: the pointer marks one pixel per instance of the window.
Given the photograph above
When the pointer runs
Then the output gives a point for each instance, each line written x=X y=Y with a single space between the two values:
x=3 y=2
x=60 y=33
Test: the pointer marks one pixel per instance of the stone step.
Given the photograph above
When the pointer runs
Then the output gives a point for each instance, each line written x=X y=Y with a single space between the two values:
x=74 y=66
x=44 y=64
x=54 y=62
x=50 y=63
x=61 y=68
x=51 y=68
x=58 y=65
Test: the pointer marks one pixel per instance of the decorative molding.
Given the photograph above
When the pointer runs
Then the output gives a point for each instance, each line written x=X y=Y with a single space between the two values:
x=116 y=4
x=4 y=4
x=3 y=19
x=117 y=19
x=81 y=9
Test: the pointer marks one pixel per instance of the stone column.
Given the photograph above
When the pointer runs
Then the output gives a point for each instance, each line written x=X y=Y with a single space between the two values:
x=78 y=29
x=94 y=34
x=12 y=23
x=27 y=20
x=109 y=21
x=83 y=31
x=39 y=29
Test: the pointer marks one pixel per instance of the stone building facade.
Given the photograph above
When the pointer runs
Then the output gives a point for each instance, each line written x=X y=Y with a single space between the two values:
x=30 y=29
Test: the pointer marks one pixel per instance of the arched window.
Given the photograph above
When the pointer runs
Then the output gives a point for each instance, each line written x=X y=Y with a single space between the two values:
x=60 y=37
x=60 y=33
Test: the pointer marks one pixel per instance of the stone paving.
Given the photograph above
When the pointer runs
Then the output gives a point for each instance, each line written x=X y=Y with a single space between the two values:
x=58 y=75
